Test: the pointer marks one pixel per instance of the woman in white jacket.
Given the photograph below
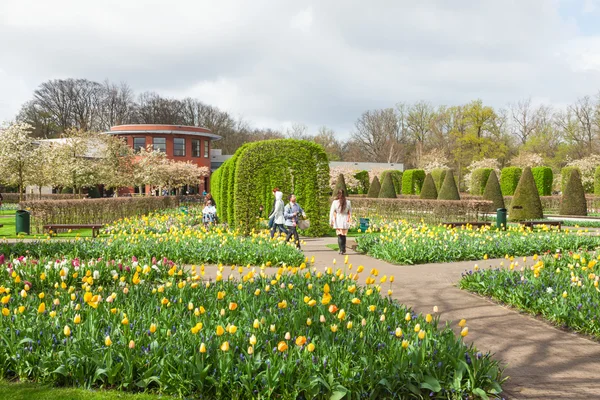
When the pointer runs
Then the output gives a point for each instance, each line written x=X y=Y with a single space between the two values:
x=278 y=219
x=339 y=218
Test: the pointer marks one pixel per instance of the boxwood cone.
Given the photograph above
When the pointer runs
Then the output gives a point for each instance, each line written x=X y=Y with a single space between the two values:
x=526 y=203
x=492 y=191
x=374 y=188
x=429 y=191
x=573 y=200
x=449 y=191
x=340 y=184
x=387 y=188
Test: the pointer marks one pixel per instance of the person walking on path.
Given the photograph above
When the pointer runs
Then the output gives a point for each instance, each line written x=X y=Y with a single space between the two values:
x=339 y=218
x=278 y=218
x=291 y=213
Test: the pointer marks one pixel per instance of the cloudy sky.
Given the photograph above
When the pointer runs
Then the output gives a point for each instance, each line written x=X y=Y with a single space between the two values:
x=314 y=62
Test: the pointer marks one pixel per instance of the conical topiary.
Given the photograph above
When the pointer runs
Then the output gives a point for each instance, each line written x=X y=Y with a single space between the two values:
x=449 y=191
x=340 y=184
x=573 y=198
x=493 y=192
x=374 y=188
x=526 y=203
x=387 y=188
x=429 y=191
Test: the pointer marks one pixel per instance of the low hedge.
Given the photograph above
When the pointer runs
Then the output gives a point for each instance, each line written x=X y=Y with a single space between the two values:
x=509 y=179
x=93 y=211
x=412 y=181
x=14 y=197
x=543 y=178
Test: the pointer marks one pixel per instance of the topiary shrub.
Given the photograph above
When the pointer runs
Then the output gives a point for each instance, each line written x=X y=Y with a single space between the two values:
x=429 y=191
x=340 y=185
x=565 y=173
x=597 y=182
x=479 y=178
x=573 y=200
x=363 y=179
x=509 y=179
x=543 y=178
x=387 y=188
x=375 y=188
x=438 y=176
x=526 y=202
x=449 y=191
x=492 y=191
x=412 y=181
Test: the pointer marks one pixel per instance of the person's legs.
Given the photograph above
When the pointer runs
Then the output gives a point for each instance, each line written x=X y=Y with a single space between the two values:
x=282 y=229
x=343 y=244
x=289 y=234
x=340 y=245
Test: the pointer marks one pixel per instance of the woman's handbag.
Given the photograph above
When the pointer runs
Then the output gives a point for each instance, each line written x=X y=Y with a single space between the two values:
x=303 y=224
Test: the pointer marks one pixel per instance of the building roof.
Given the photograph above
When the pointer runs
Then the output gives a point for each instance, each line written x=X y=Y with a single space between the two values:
x=162 y=130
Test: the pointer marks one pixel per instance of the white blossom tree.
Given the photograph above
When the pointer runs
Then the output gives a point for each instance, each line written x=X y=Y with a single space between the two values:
x=43 y=167
x=16 y=153
x=116 y=166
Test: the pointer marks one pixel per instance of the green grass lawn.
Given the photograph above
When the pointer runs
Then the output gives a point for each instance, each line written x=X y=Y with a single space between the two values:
x=30 y=391
x=8 y=232
x=7 y=212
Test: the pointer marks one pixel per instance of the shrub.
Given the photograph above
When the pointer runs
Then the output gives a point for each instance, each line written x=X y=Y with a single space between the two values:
x=492 y=191
x=375 y=188
x=340 y=185
x=573 y=198
x=597 y=182
x=479 y=178
x=438 y=176
x=526 y=202
x=449 y=191
x=412 y=181
x=363 y=178
x=565 y=173
x=509 y=179
x=587 y=169
x=387 y=188
x=429 y=191
x=396 y=179
x=543 y=178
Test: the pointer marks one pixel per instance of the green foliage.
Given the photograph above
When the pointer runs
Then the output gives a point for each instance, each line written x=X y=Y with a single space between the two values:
x=526 y=202
x=543 y=178
x=375 y=188
x=396 y=179
x=387 y=188
x=363 y=178
x=66 y=190
x=565 y=173
x=412 y=181
x=449 y=191
x=295 y=166
x=438 y=175
x=573 y=197
x=479 y=178
x=492 y=191
x=509 y=179
x=597 y=182
x=429 y=191
x=573 y=309
x=340 y=185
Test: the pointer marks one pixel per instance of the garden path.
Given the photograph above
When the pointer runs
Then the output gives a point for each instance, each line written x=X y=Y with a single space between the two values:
x=543 y=362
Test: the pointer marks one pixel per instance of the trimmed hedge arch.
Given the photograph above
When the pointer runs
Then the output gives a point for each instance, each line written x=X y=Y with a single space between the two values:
x=247 y=179
x=543 y=180
x=412 y=181
x=509 y=179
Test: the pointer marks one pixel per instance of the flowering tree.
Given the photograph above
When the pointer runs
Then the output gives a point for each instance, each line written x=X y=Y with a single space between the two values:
x=435 y=159
x=16 y=153
x=148 y=168
x=352 y=184
x=180 y=174
x=485 y=163
x=587 y=167
x=42 y=170
x=527 y=159
x=117 y=163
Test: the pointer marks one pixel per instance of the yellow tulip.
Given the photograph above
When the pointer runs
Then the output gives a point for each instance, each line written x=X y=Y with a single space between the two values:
x=5 y=311
x=272 y=328
x=77 y=319
x=398 y=332
x=125 y=321
x=282 y=346
x=131 y=344
x=256 y=324
x=308 y=322
x=333 y=328
x=225 y=346
x=252 y=340
x=107 y=341
x=422 y=335
x=310 y=347
x=405 y=344
x=152 y=328
x=67 y=330
x=428 y=318
x=202 y=348
x=250 y=350
x=220 y=330
x=41 y=308
x=417 y=327
x=465 y=331
x=407 y=317
x=52 y=314
x=300 y=340
x=349 y=325
x=232 y=329
x=462 y=323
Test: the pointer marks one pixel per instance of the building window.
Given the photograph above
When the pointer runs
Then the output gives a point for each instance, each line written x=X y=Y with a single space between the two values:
x=206 y=144
x=159 y=144
x=179 y=147
x=139 y=143
x=195 y=148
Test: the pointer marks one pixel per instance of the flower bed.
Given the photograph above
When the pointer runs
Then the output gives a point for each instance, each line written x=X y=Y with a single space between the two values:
x=298 y=334
x=562 y=289
x=402 y=243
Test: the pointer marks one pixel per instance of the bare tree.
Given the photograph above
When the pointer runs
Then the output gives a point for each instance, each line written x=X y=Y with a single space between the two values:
x=379 y=134
x=419 y=122
x=117 y=106
x=297 y=131
x=154 y=109
x=523 y=118
x=326 y=138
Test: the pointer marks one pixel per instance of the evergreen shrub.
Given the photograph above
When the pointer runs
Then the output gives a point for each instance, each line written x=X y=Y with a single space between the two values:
x=479 y=178
x=438 y=175
x=429 y=191
x=509 y=179
x=526 y=203
x=449 y=191
x=543 y=178
x=493 y=192
x=573 y=200
x=387 y=188
x=412 y=181
x=374 y=188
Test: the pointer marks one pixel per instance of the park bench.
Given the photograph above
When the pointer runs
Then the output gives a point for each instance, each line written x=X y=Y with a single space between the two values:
x=531 y=224
x=55 y=227
x=474 y=224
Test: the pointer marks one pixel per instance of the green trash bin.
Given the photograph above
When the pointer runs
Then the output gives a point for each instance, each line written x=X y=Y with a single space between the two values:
x=22 y=222
x=501 y=218
x=364 y=224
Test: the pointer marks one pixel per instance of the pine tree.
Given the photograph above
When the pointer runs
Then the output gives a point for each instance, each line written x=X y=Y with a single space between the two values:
x=573 y=200
x=449 y=191
x=387 y=188
x=493 y=192
x=374 y=188
x=526 y=203
x=429 y=191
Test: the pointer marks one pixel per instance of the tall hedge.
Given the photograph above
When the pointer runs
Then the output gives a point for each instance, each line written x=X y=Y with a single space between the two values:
x=449 y=191
x=396 y=179
x=363 y=178
x=526 y=203
x=387 y=188
x=597 y=182
x=295 y=166
x=374 y=188
x=573 y=200
x=438 y=176
x=412 y=181
x=479 y=178
x=429 y=191
x=340 y=185
x=493 y=192
x=565 y=173
x=509 y=179
x=543 y=178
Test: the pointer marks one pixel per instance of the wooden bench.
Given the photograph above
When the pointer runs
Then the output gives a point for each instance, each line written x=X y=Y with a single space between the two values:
x=54 y=227
x=475 y=224
x=531 y=224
